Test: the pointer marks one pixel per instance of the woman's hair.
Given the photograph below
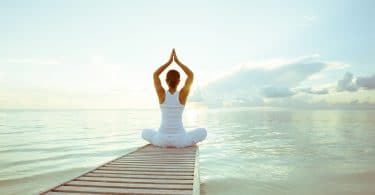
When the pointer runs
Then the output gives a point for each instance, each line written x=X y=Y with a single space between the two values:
x=173 y=78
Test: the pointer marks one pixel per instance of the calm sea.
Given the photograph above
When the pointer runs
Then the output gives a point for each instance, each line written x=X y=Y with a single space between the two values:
x=247 y=151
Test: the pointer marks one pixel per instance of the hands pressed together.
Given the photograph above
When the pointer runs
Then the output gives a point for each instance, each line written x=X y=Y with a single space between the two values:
x=174 y=57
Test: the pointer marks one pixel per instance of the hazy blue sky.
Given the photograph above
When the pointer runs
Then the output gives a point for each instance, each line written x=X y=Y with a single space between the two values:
x=101 y=54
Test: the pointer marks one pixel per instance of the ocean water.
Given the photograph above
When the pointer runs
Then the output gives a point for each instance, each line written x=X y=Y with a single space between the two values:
x=247 y=151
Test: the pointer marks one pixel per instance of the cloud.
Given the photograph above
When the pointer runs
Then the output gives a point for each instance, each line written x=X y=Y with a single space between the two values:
x=288 y=83
x=261 y=81
x=314 y=91
x=347 y=83
x=276 y=92
x=336 y=65
x=366 y=82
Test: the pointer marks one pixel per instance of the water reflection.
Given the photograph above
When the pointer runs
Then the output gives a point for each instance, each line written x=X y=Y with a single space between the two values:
x=279 y=150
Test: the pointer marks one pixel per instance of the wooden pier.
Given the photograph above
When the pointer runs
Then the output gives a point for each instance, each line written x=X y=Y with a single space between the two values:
x=147 y=170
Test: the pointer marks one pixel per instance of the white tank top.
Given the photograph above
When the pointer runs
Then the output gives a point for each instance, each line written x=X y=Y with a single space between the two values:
x=171 y=114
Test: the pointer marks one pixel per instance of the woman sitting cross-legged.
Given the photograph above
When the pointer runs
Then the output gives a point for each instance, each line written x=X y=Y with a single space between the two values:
x=172 y=103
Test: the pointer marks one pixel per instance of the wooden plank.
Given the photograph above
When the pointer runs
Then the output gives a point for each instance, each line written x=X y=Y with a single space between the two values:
x=142 y=162
x=141 y=172
x=129 y=185
x=141 y=176
x=130 y=165
x=163 y=169
x=164 y=154
x=147 y=170
x=161 y=150
x=65 y=193
x=196 y=185
x=118 y=190
x=131 y=180
x=149 y=166
x=161 y=157
x=157 y=162
x=172 y=150
x=179 y=153
x=133 y=167
x=124 y=163
x=190 y=149
x=166 y=149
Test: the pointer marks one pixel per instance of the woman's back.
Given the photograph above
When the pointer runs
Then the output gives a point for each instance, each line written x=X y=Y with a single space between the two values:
x=171 y=114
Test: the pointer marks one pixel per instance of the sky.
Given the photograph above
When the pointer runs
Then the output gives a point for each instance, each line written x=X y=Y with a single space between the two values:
x=76 y=54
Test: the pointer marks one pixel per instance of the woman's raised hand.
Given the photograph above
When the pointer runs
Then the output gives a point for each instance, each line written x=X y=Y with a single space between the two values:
x=175 y=57
x=171 y=57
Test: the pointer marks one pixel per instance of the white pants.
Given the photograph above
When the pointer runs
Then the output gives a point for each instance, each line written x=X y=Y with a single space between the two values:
x=174 y=140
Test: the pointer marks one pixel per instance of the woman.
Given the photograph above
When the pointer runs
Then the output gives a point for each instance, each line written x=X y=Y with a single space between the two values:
x=172 y=103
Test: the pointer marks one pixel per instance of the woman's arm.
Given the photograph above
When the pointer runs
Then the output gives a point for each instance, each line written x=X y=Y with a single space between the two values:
x=189 y=80
x=157 y=83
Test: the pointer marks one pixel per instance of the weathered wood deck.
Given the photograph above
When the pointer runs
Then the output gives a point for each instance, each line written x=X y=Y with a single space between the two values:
x=147 y=170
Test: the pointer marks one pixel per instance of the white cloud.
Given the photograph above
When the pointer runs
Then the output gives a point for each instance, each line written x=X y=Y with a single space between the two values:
x=265 y=80
x=351 y=84
x=316 y=76
x=336 y=65
x=321 y=91
x=284 y=84
x=347 y=83
x=366 y=82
